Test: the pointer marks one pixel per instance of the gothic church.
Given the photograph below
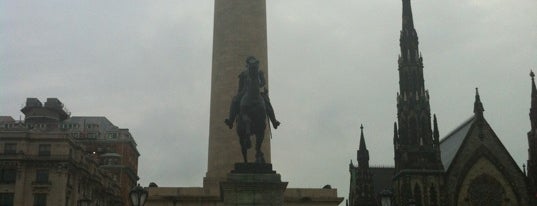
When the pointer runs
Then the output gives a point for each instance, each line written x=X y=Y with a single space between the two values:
x=470 y=166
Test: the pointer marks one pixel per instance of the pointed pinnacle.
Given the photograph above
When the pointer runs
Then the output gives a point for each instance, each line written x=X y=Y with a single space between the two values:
x=362 y=139
x=478 y=106
x=533 y=106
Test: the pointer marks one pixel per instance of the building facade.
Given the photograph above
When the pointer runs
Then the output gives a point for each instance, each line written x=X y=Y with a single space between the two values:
x=470 y=166
x=113 y=148
x=50 y=158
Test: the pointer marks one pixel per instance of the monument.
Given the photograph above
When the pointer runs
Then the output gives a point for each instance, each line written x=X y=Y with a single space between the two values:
x=240 y=32
x=252 y=183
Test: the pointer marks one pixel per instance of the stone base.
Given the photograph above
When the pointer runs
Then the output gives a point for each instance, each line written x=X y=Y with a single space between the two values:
x=253 y=168
x=253 y=184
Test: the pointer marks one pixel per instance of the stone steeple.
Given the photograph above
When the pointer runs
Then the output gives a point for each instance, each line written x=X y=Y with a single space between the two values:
x=415 y=135
x=361 y=191
x=240 y=30
x=532 y=139
x=417 y=152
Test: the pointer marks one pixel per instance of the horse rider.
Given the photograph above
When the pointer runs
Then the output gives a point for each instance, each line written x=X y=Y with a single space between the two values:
x=235 y=103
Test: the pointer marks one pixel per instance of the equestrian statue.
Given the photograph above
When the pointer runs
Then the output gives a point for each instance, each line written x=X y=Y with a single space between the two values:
x=250 y=108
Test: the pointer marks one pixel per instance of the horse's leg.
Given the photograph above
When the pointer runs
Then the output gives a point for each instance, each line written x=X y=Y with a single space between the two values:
x=244 y=150
x=243 y=137
x=259 y=156
x=247 y=126
x=244 y=147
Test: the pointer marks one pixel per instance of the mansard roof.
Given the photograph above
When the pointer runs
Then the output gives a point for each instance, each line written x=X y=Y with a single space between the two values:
x=449 y=145
x=6 y=119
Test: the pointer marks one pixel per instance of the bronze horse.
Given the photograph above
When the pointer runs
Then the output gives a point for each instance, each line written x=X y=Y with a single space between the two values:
x=252 y=116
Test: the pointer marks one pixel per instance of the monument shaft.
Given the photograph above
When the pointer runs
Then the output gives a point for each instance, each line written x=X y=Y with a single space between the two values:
x=240 y=30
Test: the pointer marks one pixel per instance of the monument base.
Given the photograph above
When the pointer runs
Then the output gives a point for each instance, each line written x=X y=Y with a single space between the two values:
x=253 y=184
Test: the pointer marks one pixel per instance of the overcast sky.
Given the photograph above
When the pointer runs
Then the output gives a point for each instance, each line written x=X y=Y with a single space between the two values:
x=146 y=66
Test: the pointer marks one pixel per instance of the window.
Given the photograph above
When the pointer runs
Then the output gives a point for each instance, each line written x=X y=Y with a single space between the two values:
x=10 y=148
x=92 y=135
x=91 y=126
x=44 y=150
x=6 y=199
x=40 y=199
x=8 y=176
x=75 y=135
x=112 y=135
x=41 y=176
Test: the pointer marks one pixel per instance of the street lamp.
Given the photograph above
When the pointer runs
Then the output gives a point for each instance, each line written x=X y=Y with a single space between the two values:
x=411 y=202
x=138 y=195
x=386 y=197
x=84 y=202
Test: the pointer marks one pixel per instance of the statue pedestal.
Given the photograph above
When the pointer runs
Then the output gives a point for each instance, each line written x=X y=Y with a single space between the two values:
x=253 y=184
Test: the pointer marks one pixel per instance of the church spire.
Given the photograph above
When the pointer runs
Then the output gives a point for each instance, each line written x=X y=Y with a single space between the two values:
x=408 y=40
x=411 y=83
x=362 y=191
x=417 y=151
x=363 y=153
x=413 y=109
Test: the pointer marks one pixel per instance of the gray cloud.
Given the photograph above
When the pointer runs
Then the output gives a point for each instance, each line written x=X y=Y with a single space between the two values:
x=333 y=65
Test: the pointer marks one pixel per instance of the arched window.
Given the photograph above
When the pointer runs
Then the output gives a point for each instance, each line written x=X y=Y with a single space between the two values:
x=486 y=190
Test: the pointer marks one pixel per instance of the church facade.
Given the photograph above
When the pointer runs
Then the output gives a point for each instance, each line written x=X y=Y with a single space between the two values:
x=470 y=166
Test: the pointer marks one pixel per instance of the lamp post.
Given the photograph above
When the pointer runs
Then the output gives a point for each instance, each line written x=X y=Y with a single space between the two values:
x=138 y=195
x=386 y=197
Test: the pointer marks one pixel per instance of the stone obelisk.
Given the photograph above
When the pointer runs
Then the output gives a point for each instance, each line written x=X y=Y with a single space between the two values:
x=240 y=30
